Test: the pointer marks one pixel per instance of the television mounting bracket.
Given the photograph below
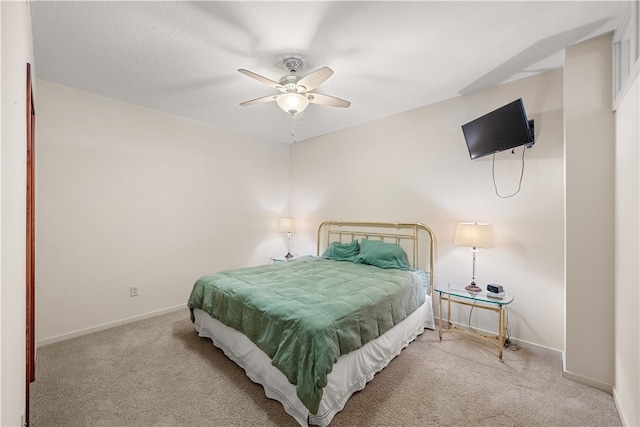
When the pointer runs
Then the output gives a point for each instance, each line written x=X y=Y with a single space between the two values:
x=531 y=133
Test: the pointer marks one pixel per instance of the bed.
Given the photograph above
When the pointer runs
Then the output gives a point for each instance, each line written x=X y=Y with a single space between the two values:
x=314 y=330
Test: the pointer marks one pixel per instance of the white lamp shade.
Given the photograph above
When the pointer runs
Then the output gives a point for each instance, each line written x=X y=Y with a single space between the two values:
x=288 y=225
x=474 y=235
x=292 y=103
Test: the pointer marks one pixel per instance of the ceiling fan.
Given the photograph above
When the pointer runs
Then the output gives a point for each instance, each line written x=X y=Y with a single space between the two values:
x=295 y=91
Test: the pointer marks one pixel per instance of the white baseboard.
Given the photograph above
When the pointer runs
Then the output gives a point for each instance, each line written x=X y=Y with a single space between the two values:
x=525 y=344
x=67 y=336
x=607 y=388
x=536 y=347
x=623 y=419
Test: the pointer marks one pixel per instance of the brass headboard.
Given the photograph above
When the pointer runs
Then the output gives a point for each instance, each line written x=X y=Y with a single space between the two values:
x=417 y=240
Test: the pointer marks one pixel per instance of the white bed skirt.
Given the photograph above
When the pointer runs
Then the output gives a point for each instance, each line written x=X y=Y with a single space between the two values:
x=349 y=374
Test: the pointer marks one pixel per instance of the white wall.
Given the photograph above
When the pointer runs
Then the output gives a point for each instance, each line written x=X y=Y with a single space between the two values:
x=17 y=50
x=589 y=159
x=129 y=196
x=415 y=167
x=627 y=249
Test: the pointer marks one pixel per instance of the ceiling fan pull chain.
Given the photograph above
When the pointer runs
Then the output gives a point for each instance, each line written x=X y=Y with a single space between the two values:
x=293 y=128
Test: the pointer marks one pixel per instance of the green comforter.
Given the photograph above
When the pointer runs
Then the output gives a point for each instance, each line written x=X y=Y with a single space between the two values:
x=305 y=314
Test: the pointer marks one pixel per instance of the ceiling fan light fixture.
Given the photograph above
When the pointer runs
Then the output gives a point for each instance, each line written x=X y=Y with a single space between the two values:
x=292 y=103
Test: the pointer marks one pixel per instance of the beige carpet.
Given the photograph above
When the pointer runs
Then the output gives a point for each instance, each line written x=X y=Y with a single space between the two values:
x=158 y=372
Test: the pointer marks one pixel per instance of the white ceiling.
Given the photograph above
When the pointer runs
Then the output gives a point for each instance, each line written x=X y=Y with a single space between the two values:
x=388 y=56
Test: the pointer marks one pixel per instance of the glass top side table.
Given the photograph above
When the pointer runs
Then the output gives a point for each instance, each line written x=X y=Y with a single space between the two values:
x=480 y=300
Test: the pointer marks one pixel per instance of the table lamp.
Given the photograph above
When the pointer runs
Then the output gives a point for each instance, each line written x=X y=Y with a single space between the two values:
x=476 y=236
x=288 y=225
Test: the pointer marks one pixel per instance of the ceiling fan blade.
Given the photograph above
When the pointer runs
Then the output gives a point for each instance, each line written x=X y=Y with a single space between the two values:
x=331 y=101
x=260 y=78
x=259 y=100
x=315 y=79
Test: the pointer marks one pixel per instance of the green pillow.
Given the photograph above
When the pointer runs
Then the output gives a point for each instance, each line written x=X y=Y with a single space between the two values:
x=342 y=251
x=382 y=254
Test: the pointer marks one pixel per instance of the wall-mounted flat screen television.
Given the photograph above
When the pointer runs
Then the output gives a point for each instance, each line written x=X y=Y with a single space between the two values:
x=502 y=129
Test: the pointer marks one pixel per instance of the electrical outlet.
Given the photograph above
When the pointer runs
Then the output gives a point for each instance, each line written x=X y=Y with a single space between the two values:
x=133 y=291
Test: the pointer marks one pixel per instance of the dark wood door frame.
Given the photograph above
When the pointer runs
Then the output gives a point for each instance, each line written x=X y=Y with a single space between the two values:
x=31 y=248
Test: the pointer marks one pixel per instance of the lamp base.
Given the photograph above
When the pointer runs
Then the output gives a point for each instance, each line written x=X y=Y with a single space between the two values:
x=472 y=288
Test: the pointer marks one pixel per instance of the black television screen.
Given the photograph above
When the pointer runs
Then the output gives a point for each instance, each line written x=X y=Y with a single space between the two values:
x=502 y=129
